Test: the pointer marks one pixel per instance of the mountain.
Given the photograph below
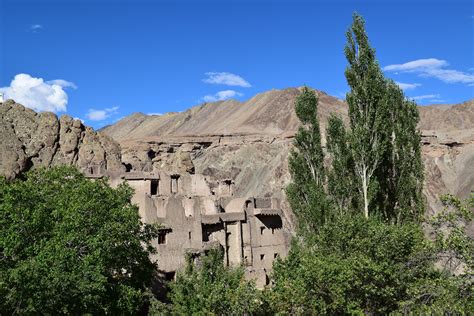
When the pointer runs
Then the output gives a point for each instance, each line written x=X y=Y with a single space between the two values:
x=250 y=141
x=269 y=113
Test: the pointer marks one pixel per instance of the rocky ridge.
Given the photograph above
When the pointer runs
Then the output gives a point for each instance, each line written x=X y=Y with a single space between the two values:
x=250 y=142
x=29 y=139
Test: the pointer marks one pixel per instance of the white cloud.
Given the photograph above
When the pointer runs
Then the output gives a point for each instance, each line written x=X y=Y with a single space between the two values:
x=407 y=86
x=100 y=115
x=37 y=94
x=434 y=68
x=417 y=65
x=221 y=95
x=426 y=97
x=62 y=83
x=226 y=78
x=35 y=28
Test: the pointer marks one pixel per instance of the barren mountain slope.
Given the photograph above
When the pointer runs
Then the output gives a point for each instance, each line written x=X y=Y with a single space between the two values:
x=269 y=113
x=250 y=142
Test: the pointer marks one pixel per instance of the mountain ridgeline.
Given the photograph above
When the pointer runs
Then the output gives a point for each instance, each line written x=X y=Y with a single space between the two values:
x=251 y=140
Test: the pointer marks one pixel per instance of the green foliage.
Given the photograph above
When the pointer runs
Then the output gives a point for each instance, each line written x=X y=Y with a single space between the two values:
x=355 y=266
x=376 y=166
x=450 y=290
x=400 y=173
x=449 y=231
x=342 y=181
x=69 y=245
x=209 y=288
x=306 y=193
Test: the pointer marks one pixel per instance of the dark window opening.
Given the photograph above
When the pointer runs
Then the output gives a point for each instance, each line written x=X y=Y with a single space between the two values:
x=189 y=235
x=128 y=167
x=275 y=255
x=262 y=257
x=154 y=187
x=169 y=276
x=162 y=238
x=262 y=229
x=267 y=280
x=205 y=235
x=151 y=154
x=209 y=229
x=91 y=170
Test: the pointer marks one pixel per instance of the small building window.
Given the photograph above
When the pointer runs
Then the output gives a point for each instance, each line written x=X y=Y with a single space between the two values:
x=189 y=235
x=262 y=229
x=162 y=237
x=154 y=187
x=262 y=257
x=275 y=255
x=273 y=231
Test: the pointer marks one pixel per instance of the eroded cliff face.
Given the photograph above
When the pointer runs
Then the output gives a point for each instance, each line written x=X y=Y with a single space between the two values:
x=29 y=139
x=250 y=142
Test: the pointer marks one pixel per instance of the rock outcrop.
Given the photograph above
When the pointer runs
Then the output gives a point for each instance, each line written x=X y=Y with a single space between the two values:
x=29 y=139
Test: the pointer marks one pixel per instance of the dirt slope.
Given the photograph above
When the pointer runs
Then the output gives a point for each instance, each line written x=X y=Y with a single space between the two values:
x=251 y=141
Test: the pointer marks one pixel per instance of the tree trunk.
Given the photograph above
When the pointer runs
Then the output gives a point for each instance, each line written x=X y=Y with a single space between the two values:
x=364 y=189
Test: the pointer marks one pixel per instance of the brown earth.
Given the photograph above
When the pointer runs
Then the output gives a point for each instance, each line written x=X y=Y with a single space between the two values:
x=250 y=142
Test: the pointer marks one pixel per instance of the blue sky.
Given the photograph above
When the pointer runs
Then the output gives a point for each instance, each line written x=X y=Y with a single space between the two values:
x=101 y=60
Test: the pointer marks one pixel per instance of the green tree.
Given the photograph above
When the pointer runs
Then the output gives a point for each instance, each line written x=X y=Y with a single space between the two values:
x=207 y=287
x=306 y=193
x=69 y=245
x=376 y=164
x=355 y=266
x=367 y=102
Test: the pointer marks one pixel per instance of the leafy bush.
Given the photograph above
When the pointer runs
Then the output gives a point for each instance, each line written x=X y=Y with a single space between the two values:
x=208 y=287
x=354 y=265
x=69 y=245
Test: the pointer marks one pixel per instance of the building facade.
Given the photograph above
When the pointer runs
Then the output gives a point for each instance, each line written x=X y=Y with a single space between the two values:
x=197 y=213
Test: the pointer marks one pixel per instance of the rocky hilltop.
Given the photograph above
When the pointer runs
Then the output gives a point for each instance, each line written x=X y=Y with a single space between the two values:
x=29 y=139
x=250 y=141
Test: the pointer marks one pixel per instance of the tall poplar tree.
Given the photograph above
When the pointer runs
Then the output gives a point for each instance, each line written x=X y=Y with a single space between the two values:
x=376 y=165
x=367 y=105
x=306 y=193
